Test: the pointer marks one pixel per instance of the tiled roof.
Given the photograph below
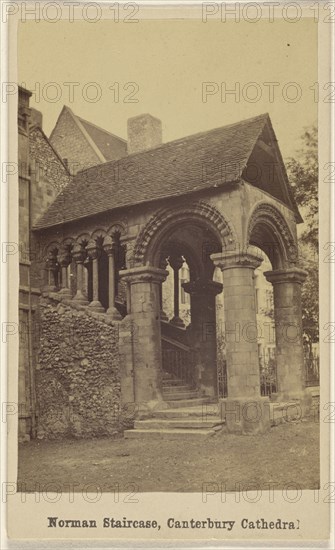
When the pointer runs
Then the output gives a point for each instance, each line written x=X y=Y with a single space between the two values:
x=194 y=163
x=112 y=147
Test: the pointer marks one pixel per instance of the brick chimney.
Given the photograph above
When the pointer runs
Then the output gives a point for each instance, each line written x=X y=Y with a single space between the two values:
x=36 y=117
x=144 y=132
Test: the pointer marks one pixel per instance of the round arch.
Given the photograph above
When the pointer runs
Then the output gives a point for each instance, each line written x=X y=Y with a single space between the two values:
x=49 y=248
x=117 y=228
x=100 y=232
x=165 y=221
x=83 y=237
x=269 y=231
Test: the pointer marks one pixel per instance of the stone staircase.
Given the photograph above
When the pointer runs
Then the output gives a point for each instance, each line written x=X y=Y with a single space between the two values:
x=193 y=419
x=183 y=422
x=177 y=393
x=187 y=414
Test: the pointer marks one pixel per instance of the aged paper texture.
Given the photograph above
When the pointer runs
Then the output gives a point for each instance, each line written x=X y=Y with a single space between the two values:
x=169 y=248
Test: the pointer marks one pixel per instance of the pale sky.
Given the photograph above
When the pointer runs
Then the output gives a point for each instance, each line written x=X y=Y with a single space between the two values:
x=169 y=61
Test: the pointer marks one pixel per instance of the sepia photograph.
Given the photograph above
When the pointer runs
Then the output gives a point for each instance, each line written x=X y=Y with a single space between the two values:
x=168 y=246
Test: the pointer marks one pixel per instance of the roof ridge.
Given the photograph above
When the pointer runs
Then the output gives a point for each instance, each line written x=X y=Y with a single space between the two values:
x=99 y=128
x=266 y=116
x=178 y=165
x=85 y=133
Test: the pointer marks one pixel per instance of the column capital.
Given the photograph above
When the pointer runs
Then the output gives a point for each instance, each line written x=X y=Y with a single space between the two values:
x=144 y=274
x=202 y=286
x=163 y=263
x=176 y=261
x=250 y=258
x=109 y=245
x=51 y=261
x=92 y=250
x=78 y=253
x=64 y=258
x=290 y=275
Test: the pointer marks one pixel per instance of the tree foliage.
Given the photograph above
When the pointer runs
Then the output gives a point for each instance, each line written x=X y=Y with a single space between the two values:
x=303 y=175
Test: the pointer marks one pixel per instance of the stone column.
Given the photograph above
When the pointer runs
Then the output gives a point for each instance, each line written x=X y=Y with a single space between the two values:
x=128 y=298
x=64 y=261
x=245 y=410
x=163 y=315
x=288 y=326
x=52 y=271
x=203 y=323
x=110 y=247
x=176 y=262
x=144 y=356
x=93 y=252
x=79 y=255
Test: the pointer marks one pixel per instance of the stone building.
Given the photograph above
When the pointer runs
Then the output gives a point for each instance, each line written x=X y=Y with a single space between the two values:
x=42 y=174
x=82 y=144
x=108 y=353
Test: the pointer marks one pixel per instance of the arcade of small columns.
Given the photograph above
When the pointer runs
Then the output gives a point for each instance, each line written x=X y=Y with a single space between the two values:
x=144 y=305
x=86 y=258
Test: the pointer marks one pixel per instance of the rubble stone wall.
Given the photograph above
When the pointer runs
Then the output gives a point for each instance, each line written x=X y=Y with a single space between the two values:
x=77 y=377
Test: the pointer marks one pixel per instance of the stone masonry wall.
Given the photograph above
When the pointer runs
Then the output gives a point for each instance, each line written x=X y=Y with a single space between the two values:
x=48 y=177
x=77 y=378
x=70 y=143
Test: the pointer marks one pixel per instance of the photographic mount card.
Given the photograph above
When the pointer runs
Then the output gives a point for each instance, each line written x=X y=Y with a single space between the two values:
x=168 y=346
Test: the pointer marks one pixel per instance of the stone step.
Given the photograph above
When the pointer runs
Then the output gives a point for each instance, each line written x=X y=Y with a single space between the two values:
x=183 y=395
x=171 y=433
x=173 y=383
x=178 y=403
x=176 y=388
x=204 y=411
x=184 y=423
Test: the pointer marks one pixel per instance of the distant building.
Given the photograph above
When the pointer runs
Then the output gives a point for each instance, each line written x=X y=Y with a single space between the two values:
x=82 y=144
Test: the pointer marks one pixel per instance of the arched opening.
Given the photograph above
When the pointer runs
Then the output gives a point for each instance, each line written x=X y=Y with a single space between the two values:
x=266 y=338
x=278 y=305
x=265 y=236
x=52 y=276
x=103 y=278
x=169 y=357
x=120 y=264
x=269 y=231
x=88 y=277
x=167 y=303
x=188 y=313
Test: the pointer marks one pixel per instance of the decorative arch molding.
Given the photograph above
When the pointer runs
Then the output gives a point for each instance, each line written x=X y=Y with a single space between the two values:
x=50 y=248
x=165 y=218
x=268 y=215
x=68 y=242
x=82 y=238
x=117 y=228
x=99 y=232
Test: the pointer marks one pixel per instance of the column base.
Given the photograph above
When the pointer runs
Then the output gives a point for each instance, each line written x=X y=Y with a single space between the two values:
x=79 y=298
x=164 y=317
x=96 y=306
x=208 y=390
x=48 y=288
x=65 y=294
x=246 y=416
x=177 y=322
x=113 y=313
x=302 y=399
